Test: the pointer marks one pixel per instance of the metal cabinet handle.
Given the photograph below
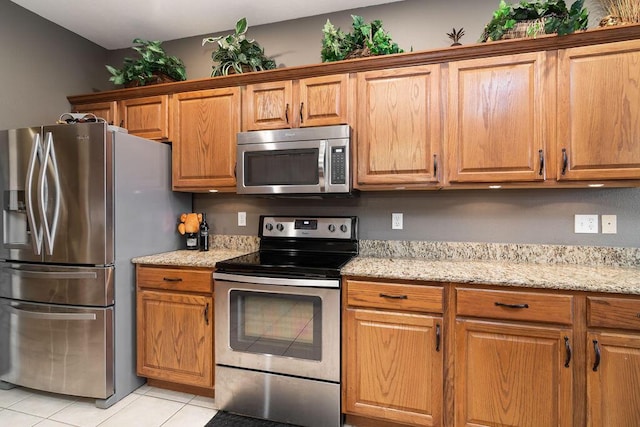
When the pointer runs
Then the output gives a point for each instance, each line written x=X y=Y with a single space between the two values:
x=565 y=161
x=393 y=296
x=541 y=154
x=301 y=108
x=567 y=347
x=502 y=304
x=286 y=113
x=206 y=314
x=437 y=337
x=435 y=165
x=596 y=349
x=172 y=279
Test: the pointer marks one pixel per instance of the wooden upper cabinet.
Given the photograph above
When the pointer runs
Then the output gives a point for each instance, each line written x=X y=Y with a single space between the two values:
x=106 y=110
x=598 y=112
x=147 y=117
x=398 y=127
x=205 y=126
x=498 y=126
x=315 y=101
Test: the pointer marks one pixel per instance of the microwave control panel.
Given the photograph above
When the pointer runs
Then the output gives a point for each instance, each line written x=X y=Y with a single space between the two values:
x=338 y=165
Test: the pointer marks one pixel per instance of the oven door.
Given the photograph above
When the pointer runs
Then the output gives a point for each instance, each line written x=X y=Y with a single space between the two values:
x=284 y=329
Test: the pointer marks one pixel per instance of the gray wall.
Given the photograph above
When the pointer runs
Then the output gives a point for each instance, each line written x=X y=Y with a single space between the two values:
x=413 y=24
x=42 y=64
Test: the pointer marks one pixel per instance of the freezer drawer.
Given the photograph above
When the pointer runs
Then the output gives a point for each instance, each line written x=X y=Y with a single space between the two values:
x=61 y=349
x=57 y=284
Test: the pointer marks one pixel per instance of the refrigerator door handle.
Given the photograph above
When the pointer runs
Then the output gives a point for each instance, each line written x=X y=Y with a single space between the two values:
x=49 y=161
x=36 y=230
x=51 y=274
x=51 y=316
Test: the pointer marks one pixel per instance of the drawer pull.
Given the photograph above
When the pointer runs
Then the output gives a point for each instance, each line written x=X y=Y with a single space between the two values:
x=596 y=349
x=206 y=314
x=437 y=337
x=567 y=347
x=172 y=279
x=393 y=296
x=502 y=304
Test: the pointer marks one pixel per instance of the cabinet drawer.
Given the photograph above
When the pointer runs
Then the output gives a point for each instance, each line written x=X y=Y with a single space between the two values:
x=515 y=305
x=613 y=313
x=180 y=279
x=394 y=296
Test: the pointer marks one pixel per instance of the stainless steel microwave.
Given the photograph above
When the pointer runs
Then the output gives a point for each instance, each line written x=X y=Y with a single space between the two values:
x=314 y=160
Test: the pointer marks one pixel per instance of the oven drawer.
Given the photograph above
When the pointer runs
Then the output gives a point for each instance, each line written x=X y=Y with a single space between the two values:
x=515 y=305
x=623 y=313
x=175 y=278
x=395 y=296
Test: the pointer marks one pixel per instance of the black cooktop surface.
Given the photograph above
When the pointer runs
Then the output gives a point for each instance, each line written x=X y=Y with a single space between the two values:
x=287 y=263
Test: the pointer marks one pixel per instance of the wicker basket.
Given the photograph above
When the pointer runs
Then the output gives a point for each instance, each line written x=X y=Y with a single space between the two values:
x=531 y=29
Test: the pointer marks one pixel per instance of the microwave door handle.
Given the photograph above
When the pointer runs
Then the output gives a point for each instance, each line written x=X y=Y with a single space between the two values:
x=322 y=161
x=36 y=231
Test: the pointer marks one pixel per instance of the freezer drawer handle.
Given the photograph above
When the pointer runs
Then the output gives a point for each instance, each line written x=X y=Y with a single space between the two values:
x=53 y=274
x=52 y=316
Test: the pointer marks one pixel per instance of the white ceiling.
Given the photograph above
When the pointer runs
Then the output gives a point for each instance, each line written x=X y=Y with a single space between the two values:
x=115 y=23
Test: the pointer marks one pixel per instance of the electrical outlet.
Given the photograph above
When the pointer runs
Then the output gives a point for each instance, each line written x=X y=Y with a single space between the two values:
x=586 y=224
x=396 y=221
x=609 y=224
x=242 y=219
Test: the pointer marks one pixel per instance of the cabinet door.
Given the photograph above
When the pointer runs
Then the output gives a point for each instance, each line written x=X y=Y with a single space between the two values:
x=394 y=367
x=599 y=112
x=269 y=106
x=106 y=110
x=497 y=118
x=146 y=117
x=398 y=127
x=613 y=379
x=205 y=127
x=175 y=337
x=323 y=100
x=512 y=375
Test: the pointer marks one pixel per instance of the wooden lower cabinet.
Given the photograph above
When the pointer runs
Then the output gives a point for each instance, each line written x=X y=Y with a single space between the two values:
x=393 y=369
x=613 y=379
x=613 y=361
x=512 y=375
x=175 y=327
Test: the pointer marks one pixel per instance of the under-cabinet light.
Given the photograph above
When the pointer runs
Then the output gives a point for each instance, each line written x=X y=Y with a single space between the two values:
x=596 y=185
x=495 y=187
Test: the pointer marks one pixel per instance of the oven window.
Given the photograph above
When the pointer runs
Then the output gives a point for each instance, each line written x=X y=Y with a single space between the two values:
x=280 y=324
x=281 y=167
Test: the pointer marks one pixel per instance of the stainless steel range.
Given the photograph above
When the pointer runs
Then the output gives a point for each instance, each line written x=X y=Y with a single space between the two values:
x=277 y=317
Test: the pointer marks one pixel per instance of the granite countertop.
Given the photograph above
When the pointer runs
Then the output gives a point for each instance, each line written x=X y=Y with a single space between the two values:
x=576 y=268
x=624 y=280
x=185 y=258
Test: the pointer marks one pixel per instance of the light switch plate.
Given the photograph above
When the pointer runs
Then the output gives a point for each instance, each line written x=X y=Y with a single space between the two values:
x=609 y=224
x=586 y=224
x=242 y=219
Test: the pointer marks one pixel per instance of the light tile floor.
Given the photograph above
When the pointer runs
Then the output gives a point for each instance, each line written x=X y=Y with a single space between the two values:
x=145 y=407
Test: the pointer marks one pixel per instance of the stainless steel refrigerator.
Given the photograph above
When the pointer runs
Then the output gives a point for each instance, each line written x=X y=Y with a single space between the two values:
x=78 y=202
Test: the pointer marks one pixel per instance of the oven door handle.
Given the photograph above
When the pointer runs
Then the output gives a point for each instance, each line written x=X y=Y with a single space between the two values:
x=260 y=280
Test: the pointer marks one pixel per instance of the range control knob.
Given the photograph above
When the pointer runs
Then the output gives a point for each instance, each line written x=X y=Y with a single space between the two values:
x=280 y=227
x=332 y=228
x=343 y=228
x=269 y=226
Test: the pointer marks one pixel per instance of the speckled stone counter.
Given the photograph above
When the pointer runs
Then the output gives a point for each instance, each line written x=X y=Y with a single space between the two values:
x=597 y=269
x=221 y=248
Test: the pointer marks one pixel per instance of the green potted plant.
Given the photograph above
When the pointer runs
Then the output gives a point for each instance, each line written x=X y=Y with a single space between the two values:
x=237 y=54
x=365 y=40
x=528 y=19
x=151 y=67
